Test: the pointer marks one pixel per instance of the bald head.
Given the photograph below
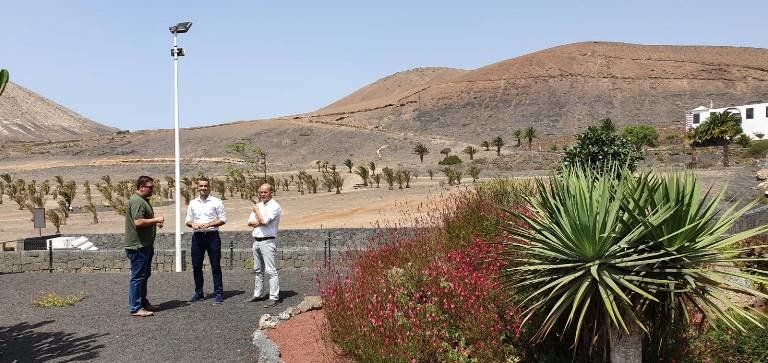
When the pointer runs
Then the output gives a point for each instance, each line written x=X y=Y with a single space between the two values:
x=265 y=192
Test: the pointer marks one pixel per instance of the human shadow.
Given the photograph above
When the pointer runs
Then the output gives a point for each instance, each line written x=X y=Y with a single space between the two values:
x=172 y=304
x=24 y=343
x=284 y=294
x=228 y=294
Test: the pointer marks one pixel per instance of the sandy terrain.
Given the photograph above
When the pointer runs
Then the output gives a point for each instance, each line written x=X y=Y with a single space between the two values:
x=351 y=209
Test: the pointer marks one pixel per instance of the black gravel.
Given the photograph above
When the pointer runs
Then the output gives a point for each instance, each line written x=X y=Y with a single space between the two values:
x=100 y=328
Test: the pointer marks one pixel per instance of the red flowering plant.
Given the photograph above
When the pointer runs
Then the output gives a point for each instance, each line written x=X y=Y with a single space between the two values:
x=429 y=291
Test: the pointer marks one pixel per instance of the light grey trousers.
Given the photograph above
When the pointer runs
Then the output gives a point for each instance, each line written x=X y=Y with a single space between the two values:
x=264 y=263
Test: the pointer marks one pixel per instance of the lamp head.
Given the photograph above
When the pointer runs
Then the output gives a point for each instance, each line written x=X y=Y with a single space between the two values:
x=180 y=27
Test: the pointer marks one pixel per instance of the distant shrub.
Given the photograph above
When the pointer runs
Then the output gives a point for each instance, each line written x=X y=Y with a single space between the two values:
x=757 y=149
x=450 y=160
x=598 y=149
x=123 y=132
x=641 y=135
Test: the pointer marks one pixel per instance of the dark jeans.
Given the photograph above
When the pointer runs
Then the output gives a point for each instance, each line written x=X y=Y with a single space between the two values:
x=210 y=242
x=141 y=269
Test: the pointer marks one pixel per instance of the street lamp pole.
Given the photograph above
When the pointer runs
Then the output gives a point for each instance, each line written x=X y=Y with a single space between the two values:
x=177 y=52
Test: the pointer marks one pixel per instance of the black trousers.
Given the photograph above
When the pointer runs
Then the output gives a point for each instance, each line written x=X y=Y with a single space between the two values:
x=210 y=242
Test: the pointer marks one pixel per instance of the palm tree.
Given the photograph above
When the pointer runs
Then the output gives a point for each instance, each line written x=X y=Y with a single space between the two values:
x=420 y=150
x=518 y=134
x=530 y=134
x=372 y=166
x=92 y=208
x=55 y=219
x=646 y=256
x=498 y=142
x=362 y=171
x=389 y=176
x=607 y=125
x=474 y=172
x=471 y=151
x=720 y=128
x=445 y=151
x=348 y=164
x=486 y=145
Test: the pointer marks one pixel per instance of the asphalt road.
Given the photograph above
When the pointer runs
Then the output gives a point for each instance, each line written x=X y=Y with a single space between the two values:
x=100 y=328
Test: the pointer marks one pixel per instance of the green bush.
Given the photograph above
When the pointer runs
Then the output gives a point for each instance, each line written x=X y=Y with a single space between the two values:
x=726 y=346
x=599 y=149
x=641 y=135
x=757 y=149
x=450 y=160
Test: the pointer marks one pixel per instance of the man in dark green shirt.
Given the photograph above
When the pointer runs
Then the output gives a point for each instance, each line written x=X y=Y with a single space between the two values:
x=140 y=228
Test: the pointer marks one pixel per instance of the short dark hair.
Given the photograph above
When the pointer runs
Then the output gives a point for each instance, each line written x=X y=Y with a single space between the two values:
x=143 y=180
x=202 y=178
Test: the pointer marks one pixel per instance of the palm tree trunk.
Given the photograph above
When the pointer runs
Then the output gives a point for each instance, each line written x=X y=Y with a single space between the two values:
x=627 y=348
x=725 y=154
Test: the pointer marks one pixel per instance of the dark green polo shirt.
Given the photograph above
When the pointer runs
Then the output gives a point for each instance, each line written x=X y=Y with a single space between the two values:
x=135 y=237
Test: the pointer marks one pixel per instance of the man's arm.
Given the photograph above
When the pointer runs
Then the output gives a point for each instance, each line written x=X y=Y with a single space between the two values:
x=138 y=210
x=148 y=222
x=253 y=221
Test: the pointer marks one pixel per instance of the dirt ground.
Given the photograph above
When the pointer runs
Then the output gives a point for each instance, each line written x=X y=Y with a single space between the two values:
x=353 y=208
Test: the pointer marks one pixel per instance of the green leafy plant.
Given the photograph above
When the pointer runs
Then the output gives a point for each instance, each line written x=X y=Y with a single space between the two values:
x=498 y=142
x=641 y=135
x=720 y=129
x=471 y=151
x=4 y=77
x=529 y=134
x=54 y=300
x=420 y=150
x=598 y=149
x=606 y=255
x=450 y=160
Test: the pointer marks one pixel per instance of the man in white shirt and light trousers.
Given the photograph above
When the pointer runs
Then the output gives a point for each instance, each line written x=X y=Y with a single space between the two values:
x=204 y=215
x=265 y=218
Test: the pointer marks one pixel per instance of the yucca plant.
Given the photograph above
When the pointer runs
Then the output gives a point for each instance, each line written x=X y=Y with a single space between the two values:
x=602 y=255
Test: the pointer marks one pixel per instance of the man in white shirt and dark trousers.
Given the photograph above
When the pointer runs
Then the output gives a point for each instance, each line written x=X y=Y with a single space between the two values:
x=264 y=218
x=204 y=215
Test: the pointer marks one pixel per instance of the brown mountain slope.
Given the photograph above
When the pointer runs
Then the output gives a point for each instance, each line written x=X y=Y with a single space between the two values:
x=391 y=89
x=561 y=90
x=27 y=116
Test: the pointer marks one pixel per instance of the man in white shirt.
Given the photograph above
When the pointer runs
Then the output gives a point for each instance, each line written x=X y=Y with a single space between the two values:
x=204 y=215
x=265 y=218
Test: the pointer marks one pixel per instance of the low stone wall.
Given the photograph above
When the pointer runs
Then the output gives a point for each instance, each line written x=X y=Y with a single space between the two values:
x=299 y=248
x=340 y=237
x=164 y=260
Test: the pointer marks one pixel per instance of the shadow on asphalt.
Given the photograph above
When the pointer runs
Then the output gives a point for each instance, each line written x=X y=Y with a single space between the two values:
x=21 y=342
x=172 y=304
x=287 y=293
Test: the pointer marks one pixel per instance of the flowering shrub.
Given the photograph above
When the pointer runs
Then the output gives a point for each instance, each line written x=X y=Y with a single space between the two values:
x=429 y=293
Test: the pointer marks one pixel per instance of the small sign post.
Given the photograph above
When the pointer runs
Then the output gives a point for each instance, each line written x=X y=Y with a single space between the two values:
x=39 y=219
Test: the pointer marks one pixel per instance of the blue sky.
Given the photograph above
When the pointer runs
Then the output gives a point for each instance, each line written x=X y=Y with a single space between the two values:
x=110 y=61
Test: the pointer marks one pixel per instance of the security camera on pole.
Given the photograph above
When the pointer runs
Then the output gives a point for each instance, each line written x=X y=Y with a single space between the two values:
x=177 y=52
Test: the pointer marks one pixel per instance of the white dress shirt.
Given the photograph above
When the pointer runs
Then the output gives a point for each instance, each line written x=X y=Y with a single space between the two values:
x=270 y=213
x=205 y=211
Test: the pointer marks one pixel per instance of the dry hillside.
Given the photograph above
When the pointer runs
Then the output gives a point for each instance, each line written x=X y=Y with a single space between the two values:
x=559 y=91
x=28 y=116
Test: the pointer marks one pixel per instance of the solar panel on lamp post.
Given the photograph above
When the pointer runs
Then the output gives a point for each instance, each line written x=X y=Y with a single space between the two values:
x=177 y=52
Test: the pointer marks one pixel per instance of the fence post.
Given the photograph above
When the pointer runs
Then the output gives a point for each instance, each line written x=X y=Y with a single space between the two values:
x=231 y=253
x=50 y=257
x=327 y=262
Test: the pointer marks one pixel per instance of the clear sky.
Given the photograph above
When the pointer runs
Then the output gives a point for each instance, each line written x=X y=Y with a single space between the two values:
x=110 y=61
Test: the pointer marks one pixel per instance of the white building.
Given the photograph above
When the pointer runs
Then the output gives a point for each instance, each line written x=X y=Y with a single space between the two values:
x=754 y=117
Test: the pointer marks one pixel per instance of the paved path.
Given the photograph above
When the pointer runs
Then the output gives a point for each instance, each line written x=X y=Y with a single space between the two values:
x=99 y=328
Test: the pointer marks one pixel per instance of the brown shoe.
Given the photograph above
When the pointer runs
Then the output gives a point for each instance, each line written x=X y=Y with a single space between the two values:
x=151 y=308
x=142 y=313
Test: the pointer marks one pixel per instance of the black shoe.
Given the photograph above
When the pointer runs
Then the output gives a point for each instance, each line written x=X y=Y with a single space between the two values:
x=197 y=297
x=271 y=303
x=218 y=299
